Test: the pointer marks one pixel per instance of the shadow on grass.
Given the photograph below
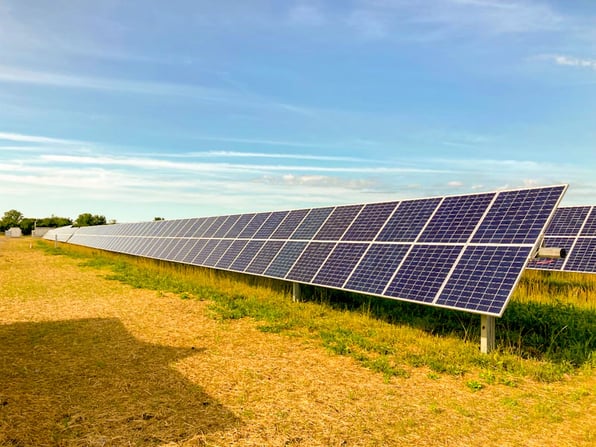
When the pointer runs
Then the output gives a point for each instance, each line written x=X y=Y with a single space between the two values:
x=554 y=332
x=90 y=382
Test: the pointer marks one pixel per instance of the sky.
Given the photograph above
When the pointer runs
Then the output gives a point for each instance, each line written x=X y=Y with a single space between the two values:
x=186 y=108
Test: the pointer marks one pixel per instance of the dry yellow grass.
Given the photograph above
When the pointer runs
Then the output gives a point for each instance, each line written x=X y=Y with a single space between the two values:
x=87 y=361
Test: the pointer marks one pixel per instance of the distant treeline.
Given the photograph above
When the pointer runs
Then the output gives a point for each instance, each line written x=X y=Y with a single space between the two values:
x=14 y=218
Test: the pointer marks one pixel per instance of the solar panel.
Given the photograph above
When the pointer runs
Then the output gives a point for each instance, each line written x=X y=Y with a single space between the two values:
x=462 y=252
x=573 y=229
x=337 y=223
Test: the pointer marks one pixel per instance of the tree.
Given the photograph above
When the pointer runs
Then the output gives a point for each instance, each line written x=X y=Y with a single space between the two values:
x=11 y=219
x=54 y=222
x=27 y=225
x=158 y=218
x=88 y=219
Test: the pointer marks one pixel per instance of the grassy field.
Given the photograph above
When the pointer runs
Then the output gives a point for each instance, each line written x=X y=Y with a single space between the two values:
x=100 y=349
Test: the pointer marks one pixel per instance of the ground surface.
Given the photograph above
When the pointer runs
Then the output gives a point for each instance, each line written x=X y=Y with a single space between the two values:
x=89 y=361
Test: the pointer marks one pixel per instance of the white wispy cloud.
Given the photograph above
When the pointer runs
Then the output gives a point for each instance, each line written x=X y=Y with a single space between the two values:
x=16 y=137
x=212 y=168
x=571 y=61
x=238 y=154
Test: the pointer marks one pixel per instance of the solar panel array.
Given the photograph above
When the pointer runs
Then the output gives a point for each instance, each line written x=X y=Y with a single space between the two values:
x=574 y=229
x=462 y=252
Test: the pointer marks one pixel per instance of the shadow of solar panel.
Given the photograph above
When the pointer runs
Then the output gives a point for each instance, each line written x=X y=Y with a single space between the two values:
x=376 y=268
x=338 y=222
x=518 y=217
x=231 y=253
x=456 y=218
x=567 y=221
x=289 y=224
x=205 y=252
x=423 y=272
x=340 y=264
x=549 y=263
x=311 y=223
x=285 y=259
x=264 y=257
x=194 y=250
x=239 y=225
x=369 y=222
x=246 y=256
x=218 y=252
x=254 y=225
x=270 y=225
x=310 y=261
x=583 y=256
x=590 y=225
x=225 y=227
x=408 y=220
x=484 y=278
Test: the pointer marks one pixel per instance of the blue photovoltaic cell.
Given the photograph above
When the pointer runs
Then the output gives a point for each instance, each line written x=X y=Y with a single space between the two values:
x=369 y=222
x=456 y=218
x=193 y=251
x=583 y=256
x=421 y=275
x=210 y=232
x=225 y=227
x=191 y=228
x=252 y=227
x=518 y=217
x=567 y=221
x=207 y=222
x=239 y=225
x=141 y=248
x=270 y=225
x=337 y=224
x=188 y=244
x=285 y=259
x=408 y=220
x=289 y=225
x=484 y=278
x=175 y=249
x=231 y=253
x=339 y=264
x=552 y=264
x=590 y=225
x=376 y=268
x=311 y=223
x=310 y=261
x=217 y=252
x=205 y=252
x=264 y=257
x=245 y=257
x=157 y=248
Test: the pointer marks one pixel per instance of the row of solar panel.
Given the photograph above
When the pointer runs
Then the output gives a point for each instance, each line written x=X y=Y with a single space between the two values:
x=574 y=229
x=464 y=252
x=513 y=217
x=406 y=271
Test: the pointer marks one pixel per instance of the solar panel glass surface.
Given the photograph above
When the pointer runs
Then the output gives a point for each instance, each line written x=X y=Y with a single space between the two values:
x=310 y=261
x=338 y=222
x=408 y=220
x=290 y=224
x=376 y=268
x=369 y=222
x=311 y=223
x=264 y=257
x=285 y=259
x=484 y=278
x=340 y=263
x=423 y=271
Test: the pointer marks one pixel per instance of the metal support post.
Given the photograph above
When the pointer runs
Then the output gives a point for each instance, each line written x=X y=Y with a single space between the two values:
x=487 y=333
x=296 y=292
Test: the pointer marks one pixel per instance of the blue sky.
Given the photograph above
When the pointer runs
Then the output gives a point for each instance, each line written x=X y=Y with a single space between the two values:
x=136 y=109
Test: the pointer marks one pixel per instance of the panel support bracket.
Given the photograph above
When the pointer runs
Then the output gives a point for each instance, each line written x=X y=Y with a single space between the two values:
x=487 y=333
x=296 y=292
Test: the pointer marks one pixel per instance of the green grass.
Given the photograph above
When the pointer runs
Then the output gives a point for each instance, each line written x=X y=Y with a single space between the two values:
x=546 y=332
